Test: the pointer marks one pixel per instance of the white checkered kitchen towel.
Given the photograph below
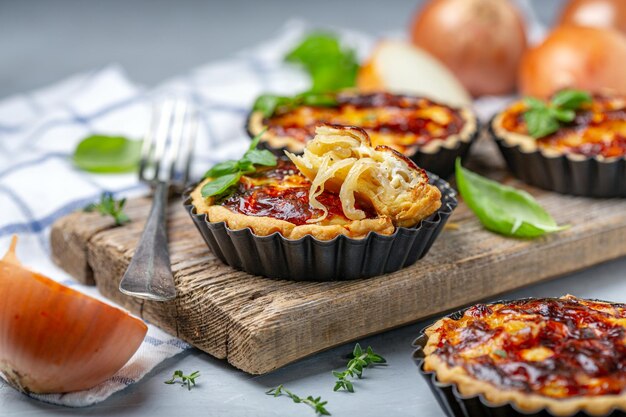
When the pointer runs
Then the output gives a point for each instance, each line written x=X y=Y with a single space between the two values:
x=39 y=131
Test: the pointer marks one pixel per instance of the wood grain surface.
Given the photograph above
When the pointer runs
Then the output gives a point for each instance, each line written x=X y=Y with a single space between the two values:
x=259 y=324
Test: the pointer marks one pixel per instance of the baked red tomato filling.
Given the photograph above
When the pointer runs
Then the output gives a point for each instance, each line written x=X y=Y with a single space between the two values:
x=559 y=348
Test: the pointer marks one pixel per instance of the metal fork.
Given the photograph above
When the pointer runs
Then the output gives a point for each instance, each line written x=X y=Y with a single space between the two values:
x=149 y=274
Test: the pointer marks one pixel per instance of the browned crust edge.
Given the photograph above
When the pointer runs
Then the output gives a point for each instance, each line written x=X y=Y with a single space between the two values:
x=468 y=385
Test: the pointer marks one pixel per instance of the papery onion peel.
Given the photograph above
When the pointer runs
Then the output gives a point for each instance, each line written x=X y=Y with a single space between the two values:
x=54 y=339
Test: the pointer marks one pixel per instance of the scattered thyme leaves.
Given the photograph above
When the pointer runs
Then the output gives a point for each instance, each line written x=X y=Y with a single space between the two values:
x=184 y=380
x=501 y=353
x=226 y=175
x=109 y=206
x=316 y=404
x=355 y=367
x=543 y=119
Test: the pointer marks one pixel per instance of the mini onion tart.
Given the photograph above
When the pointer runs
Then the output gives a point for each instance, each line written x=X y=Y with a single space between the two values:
x=414 y=126
x=598 y=131
x=566 y=355
x=340 y=186
x=584 y=157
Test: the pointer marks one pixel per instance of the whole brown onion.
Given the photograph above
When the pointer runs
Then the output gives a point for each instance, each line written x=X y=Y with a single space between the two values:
x=481 y=41
x=578 y=57
x=596 y=13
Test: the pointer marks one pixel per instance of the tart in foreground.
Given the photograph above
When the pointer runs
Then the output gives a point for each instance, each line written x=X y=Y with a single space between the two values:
x=566 y=355
x=584 y=156
x=340 y=186
x=341 y=210
x=414 y=126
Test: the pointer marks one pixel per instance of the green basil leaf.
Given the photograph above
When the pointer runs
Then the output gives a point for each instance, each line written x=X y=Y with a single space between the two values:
x=260 y=157
x=220 y=185
x=540 y=122
x=571 y=99
x=562 y=115
x=107 y=154
x=503 y=209
x=222 y=168
x=268 y=103
x=331 y=68
x=245 y=167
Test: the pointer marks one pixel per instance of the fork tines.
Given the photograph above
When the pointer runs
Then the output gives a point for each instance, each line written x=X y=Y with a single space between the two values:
x=168 y=146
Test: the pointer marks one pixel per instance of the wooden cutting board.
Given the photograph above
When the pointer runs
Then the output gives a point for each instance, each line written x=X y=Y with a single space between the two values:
x=259 y=324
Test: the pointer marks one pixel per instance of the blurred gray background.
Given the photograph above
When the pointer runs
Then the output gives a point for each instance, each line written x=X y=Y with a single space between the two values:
x=46 y=40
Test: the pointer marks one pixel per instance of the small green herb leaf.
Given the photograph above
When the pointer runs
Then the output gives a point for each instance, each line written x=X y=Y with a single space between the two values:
x=220 y=185
x=225 y=175
x=268 y=104
x=260 y=157
x=109 y=206
x=107 y=154
x=184 y=380
x=543 y=119
x=503 y=209
x=360 y=360
x=316 y=404
x=330 y=66
x=571 y=99
x=540 y=123
x=222 y=168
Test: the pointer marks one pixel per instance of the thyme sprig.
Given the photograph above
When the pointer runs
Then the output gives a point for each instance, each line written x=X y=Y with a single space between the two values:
x=361 y=360
x=109 y=206
x=184 y=380
x=315 y=403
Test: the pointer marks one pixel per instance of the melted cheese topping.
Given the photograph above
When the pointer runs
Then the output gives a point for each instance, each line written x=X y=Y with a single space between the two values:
x=599 y=129
x=555 y=347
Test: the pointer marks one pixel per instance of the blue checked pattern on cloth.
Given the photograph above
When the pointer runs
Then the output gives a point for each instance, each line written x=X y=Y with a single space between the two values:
x=40 y=130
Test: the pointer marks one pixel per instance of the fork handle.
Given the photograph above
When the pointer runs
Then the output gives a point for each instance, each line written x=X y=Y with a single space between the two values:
x=149 y=274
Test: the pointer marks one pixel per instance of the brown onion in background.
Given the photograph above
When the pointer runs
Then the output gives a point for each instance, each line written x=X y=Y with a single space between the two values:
x=587 y=58
x=481 y=41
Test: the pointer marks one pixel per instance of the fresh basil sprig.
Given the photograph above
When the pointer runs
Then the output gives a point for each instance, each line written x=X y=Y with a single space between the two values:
x=316 y=404
x=107 y=154
x=503 y=209
x=543 y=119
x=360 y=360
x=227 y=174
x=330 y=66
x=268 y=103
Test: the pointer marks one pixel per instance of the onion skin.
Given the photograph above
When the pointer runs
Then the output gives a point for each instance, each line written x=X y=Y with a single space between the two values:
x=579 y=57
x=481 y=41
x=609 y=14
x=54 y=339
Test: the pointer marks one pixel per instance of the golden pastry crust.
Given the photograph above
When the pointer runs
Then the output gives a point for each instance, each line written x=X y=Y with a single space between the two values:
x=599 y=131
x=447 y=128
x=456 y=356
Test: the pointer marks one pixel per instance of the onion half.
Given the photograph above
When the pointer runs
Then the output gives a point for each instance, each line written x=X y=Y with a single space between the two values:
x=54 y=339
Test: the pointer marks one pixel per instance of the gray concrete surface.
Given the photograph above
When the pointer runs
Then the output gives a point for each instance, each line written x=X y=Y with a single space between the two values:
x=43 y=41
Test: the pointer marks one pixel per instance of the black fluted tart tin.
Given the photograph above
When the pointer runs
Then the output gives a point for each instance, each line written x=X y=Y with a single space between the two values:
x=455 y=404
x=311 y=259
x=586 y=177
x=440 y=162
